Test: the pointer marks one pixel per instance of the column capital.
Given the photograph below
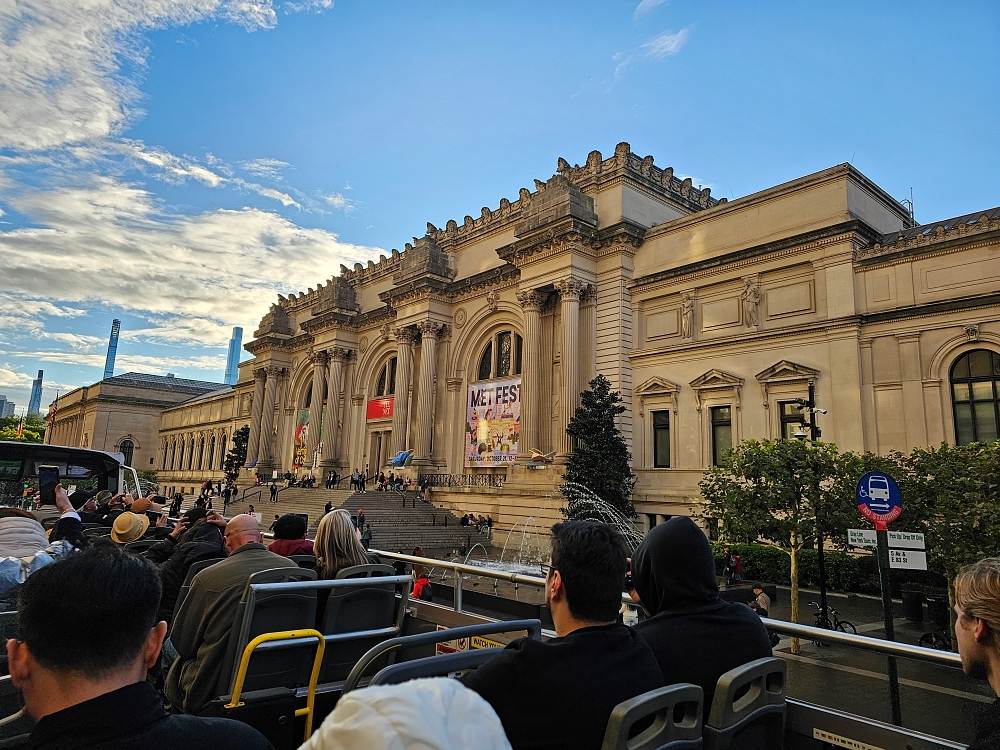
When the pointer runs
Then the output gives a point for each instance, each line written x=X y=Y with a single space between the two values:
x=318 y=357
x=429 y=329
x=589 y=295
x=273 y=371
x=404 y=334
x=530 y=300
x=260 y=373
x=339 y=353
x=570 y=287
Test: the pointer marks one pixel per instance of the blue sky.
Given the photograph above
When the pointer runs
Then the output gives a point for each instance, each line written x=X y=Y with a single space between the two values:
x=177 y=163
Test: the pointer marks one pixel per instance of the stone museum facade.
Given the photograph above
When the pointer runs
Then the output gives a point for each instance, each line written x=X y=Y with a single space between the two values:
x=471 y=345
x=121 y=414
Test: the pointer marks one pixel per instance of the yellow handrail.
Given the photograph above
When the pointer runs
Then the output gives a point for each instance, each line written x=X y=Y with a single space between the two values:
x=313 y=678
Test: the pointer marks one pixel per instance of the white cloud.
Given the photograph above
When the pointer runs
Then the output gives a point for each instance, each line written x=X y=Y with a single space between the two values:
x=665 y=44
x=647 y=5
x=339 y=202
x=267 y=168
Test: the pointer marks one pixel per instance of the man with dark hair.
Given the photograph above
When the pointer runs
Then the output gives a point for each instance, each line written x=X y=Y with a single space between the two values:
x=91 y=692
x=560 y=694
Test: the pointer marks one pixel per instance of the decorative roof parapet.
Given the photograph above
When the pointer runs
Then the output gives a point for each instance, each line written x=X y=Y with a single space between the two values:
x=598 y=170
x=276 y=321
x=424 y=259
x=925 y=235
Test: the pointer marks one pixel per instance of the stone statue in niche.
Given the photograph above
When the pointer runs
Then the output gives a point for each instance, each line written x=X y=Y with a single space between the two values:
x=687 y=316
x=751 y=298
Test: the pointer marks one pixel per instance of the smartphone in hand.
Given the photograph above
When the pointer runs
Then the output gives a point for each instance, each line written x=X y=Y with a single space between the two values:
x=48 y=478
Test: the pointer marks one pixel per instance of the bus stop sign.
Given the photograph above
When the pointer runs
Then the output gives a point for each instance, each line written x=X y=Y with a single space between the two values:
x=878 y=498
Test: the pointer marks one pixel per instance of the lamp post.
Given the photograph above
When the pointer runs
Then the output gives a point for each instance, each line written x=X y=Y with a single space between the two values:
x=809 y=407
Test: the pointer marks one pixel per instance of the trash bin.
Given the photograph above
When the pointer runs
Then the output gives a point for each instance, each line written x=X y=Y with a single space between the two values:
x=913 y=606
x=937 y=611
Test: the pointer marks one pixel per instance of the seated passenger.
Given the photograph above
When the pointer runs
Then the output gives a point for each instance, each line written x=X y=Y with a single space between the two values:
x=25 y=548
x=560 y=694
x=431 y=714
x=21 y=535
x=196 y=536
x=338 y=545
x=290 y=536
x=200 y=632
x=695 y=634
x=977 y=630
x=91 y=692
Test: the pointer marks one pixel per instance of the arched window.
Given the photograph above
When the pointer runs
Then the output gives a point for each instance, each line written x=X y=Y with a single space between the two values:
x=501 y=357
x=975 y=377
x=386 y=384
x=126 y=448
x=211 y=452
x=222 y=452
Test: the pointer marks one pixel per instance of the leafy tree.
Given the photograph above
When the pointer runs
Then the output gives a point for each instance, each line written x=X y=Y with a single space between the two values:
x=148 y=481
x=600 y=460
x=237 y=455
x=785 y=492
x=33 y=430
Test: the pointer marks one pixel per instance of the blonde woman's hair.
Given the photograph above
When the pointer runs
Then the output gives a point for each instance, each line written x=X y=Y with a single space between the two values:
x=337 y=545
x=977 y=593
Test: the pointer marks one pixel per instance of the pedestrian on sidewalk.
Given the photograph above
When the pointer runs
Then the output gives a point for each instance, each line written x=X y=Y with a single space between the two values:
x=274 y=492
x=328 y=507
x=361 y=519
x=366 y=537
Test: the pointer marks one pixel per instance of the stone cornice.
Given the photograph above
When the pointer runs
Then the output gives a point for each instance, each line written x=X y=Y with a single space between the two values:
x=419 y=289
x=940 y=242
x=976 y=302
x=848 y=230
x=332 y=320
x=624 y=237
x=500 y=277
x=268 y=343
x=569 y=234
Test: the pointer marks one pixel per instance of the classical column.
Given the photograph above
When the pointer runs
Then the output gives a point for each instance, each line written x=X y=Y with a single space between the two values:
x=404 y=364
x=569 y=293
x=316 y=432
x=425 y=390
x=531 y=363
x=253 y=439
x=267 y=416
x=331 y=432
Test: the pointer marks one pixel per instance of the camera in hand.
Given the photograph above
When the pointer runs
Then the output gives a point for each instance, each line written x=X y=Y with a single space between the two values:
x=48 y=478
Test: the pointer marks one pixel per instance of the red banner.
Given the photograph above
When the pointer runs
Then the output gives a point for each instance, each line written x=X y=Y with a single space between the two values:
x=380 y=408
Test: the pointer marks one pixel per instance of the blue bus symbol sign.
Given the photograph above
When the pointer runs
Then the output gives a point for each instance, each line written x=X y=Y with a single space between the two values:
x=878 y=498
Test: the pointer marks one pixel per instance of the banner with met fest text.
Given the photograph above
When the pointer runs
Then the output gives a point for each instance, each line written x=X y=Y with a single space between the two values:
x=493 y=423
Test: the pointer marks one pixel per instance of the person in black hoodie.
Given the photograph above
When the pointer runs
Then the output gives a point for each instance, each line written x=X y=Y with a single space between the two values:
x=695 y=635
x=196 y=536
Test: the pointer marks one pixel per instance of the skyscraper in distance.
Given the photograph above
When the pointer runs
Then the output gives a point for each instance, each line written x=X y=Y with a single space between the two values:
x=233 y=360
x=35 y=402
x=109 y=363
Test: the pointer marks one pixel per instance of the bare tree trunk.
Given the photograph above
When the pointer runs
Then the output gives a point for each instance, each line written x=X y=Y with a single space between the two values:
x=794 y=554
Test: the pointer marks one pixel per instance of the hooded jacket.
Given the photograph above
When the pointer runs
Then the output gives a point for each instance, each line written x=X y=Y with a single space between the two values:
x=695 y=635
x=21 y=537
x=175 y=557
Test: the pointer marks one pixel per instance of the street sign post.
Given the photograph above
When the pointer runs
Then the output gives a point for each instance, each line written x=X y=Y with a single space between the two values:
x=897 y=539
x=879 y=501
x=906 y=559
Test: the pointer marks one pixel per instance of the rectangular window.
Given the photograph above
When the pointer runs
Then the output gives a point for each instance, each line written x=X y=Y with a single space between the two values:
x=791 y=418
x=661 y=439
x=722 y=434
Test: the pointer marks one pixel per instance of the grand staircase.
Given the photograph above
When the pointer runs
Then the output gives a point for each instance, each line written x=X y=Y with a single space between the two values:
x=399 y=521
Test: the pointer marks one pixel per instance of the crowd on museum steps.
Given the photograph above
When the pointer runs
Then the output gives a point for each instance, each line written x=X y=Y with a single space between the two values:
x=102 y=662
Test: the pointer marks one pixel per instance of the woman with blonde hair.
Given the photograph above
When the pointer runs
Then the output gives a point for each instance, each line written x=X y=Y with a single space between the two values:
x=338 y=545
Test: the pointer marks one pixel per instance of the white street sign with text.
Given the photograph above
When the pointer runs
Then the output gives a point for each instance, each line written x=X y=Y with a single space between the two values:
x=907 y=559
x=897 y=539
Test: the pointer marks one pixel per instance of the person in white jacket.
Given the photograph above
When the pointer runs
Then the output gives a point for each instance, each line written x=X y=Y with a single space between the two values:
x=437 y=713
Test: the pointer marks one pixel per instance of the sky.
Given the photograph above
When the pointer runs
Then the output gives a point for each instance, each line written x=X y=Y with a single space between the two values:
x=177 y=164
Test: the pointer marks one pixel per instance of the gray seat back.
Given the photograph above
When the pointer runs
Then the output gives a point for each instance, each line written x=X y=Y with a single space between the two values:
x=434 y=666
x=304 y=561
x=194 y=570
x=748 y=710
x=271 y=612
x=356 y=609
x=676 y=713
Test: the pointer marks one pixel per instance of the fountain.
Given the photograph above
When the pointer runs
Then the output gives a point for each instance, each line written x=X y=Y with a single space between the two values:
x=586 y=505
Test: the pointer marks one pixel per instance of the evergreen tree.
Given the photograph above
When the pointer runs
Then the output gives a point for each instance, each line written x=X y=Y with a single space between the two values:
x=600 y=460
x=237 y=455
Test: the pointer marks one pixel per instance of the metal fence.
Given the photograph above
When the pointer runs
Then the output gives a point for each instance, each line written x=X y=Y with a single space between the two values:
x=462 y=480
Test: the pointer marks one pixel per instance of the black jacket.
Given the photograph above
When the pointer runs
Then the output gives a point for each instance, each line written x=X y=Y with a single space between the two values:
x=175 y=557
x=988 y=729
x=695 y=635
x=132 y=718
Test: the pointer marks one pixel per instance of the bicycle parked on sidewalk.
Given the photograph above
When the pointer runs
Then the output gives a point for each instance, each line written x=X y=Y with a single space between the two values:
x=836 y=624
x=936 y=639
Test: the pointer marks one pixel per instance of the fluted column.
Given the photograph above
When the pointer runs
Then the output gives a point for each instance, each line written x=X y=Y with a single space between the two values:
x=569 y=292
x=404 y=365
x=531 y=363
x=267 y=416
x=425 y=390
x=316 y=403
x=331 y=432
x=253 y=439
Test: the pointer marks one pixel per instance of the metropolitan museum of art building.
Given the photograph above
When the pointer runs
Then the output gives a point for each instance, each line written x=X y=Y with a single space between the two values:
x=471 y=345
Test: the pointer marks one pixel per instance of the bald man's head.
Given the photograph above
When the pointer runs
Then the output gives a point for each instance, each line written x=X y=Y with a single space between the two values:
x=243 y=529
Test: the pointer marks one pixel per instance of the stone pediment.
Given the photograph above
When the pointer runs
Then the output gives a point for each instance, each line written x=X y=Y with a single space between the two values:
x=716 y=380
x=787 y=372
x=657 y=387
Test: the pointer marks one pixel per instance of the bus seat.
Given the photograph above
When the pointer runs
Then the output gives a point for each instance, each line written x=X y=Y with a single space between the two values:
x=271 y=612
x=97 y=531
x=355 y=609
x=140 y=545
x=194 y=570
x=676 y=712
x=435 y=666
x=304 y=561
x=748 y=710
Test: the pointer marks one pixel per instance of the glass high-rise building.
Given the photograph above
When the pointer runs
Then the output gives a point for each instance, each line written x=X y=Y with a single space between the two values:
x=35 y=402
